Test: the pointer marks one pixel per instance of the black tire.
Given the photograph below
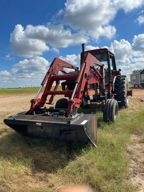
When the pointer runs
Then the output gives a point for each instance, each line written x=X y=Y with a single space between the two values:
x=61 y=104
x=106 y=111
x=110 y=110
x=120 y=91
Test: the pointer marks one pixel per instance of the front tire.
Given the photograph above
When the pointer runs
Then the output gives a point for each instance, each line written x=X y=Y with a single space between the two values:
x=62 y=104
x=110 y=110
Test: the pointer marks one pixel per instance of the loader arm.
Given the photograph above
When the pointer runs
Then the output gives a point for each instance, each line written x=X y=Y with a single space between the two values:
x=87 y=73
x=56 y=66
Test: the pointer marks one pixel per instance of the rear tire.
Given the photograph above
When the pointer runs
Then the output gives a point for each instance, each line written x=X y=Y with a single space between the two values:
x=110 y=110
x=120 y=91
x=61 y=104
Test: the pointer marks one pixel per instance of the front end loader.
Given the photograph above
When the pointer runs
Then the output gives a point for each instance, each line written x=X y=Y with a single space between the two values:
x=58 y=110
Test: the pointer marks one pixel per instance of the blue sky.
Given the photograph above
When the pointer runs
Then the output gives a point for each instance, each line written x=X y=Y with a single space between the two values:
x=32 y=33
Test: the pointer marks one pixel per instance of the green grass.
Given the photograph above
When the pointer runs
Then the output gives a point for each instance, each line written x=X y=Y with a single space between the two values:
x=40 y=165
x=105 y=167
x=18 y=90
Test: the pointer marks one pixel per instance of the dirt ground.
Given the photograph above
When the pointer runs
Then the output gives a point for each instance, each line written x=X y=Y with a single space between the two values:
x=14 y=103
x=20 y=102
x=138 y=94
x=136 y=152
x=136 y=164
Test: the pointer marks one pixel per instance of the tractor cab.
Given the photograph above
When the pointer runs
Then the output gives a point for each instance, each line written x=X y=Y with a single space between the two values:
x=104 y=56
x=107 y=58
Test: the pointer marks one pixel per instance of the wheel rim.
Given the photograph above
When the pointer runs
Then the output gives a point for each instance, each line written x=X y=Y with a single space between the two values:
x=126 y=102
x=116 y=112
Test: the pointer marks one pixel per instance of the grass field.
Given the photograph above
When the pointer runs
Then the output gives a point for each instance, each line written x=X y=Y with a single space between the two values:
x=34 y=165
x=18 y=90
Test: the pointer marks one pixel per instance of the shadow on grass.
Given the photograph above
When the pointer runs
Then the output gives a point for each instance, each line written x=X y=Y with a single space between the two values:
x=40 y=155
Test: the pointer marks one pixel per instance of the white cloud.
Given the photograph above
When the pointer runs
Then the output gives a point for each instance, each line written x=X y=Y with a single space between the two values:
x=73 y=59
x=138 y=42
x=107 y=31
x=4 y=78
x=54 y=35
x=122 y=49
x=27 y=72
x=82 y=20
x=88 y=14
x=90 y=47
x=92 y=16
x=34 y=40
x=129 y=56
x=4 y=74
x=127 y=5
x=24 y=45
x=95 y=16
x=86 y=19
x=140 y=19
x=30 y=67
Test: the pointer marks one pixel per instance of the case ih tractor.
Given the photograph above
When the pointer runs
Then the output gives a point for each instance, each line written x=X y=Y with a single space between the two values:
x=97 y=81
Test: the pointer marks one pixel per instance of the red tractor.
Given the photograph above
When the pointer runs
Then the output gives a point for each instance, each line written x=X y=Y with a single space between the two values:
x=97 y=81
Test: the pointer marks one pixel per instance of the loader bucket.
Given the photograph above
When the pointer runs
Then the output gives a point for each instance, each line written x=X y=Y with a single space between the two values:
x=80 y=129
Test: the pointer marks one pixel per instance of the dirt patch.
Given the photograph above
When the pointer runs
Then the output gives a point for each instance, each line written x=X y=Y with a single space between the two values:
x=76 y=188
x=138 y=94
x=136 y=148
x=136 y=164
x=14 y=103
